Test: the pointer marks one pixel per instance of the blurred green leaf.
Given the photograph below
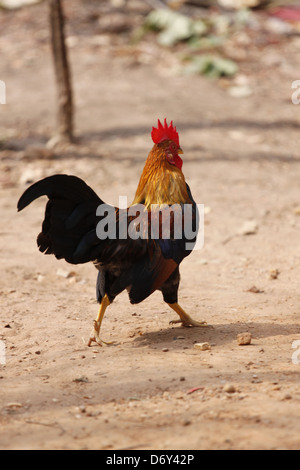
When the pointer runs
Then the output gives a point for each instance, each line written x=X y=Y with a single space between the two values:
x=211 y=66
x=209 y=42
x=174 y=27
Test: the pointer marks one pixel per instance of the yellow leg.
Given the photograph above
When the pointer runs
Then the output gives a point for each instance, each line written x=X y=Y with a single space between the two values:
x=185 y=319
x=95 y=338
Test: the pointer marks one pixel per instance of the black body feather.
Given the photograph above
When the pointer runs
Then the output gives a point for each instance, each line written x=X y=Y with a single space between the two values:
x=69 y=232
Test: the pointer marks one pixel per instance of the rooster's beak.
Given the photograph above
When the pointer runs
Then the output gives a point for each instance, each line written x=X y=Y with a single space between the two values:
x=180 y=151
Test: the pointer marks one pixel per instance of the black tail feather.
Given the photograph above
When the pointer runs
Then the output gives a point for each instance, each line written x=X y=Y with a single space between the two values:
x=59 y=187
x=70 y=215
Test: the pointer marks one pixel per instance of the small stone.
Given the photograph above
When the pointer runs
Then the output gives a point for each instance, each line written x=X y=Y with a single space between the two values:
x=29 y=176
x=229 y=388
x=202 y=346
x=14 y=405
x=241 y=91
x=187 y=422
x=82 y=379
x=274 y=273
x=287 y=397
x=297 y=211
x=66 y=274
x=62 y=273
x=250 y=227
x=244 y=339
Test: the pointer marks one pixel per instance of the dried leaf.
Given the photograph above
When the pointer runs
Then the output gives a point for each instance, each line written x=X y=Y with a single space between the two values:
x=255 y=290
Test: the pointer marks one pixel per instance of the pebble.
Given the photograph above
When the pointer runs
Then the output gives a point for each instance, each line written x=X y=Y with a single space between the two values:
x=82 y=379
x=274 y=273
x=187 y=422
x=29 y=176
x=287 y=397
x=14 y=405
x=244 y=339
x=229 y=388
x=240 y=91
x=250 y=227
x=66 y=274
x=202 y=346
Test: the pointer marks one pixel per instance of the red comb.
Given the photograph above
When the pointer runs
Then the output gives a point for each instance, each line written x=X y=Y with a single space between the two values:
x=165 y=132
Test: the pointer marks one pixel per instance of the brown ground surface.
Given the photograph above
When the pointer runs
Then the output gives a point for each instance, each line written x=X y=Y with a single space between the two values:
x=242 y=161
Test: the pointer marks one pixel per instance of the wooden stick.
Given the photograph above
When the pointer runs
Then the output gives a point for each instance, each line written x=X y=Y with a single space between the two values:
x=62 y=72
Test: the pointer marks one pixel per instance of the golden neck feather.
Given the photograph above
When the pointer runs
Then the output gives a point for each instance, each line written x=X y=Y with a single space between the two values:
x=160 y=182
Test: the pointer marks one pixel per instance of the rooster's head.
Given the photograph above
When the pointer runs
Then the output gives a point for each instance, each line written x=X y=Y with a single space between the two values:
x=167 y=138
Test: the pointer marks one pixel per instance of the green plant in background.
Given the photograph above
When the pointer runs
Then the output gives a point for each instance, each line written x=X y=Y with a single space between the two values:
x=211 y=66
x=174 y=27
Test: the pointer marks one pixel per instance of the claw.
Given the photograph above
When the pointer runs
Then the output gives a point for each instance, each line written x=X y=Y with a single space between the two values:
x=185 y=319
x=99 y=341
x=95 y=338
x=189 y=322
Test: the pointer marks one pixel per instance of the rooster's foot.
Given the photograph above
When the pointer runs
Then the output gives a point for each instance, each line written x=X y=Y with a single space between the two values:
x=95 y=338
x=99 y=341
x=189 y=322
x=185 y=319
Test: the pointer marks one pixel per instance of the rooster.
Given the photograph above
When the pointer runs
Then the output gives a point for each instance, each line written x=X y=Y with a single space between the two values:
x=140 y=264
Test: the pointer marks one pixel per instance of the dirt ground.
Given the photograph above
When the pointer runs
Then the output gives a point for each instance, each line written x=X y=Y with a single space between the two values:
x=242 y=161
